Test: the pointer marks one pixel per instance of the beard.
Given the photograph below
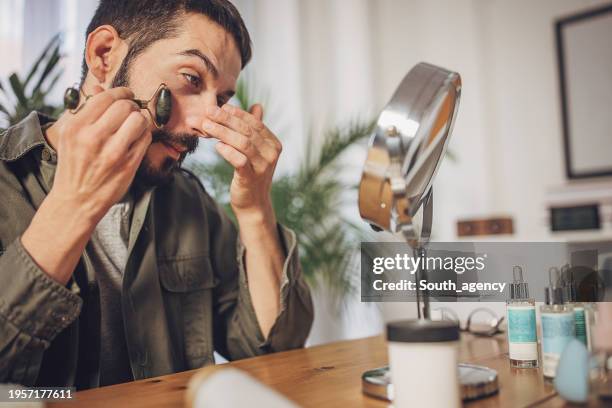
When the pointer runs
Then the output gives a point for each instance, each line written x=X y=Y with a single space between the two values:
x=148 y=174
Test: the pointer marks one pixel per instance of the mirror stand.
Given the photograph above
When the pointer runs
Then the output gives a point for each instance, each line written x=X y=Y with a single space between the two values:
x=404 y=155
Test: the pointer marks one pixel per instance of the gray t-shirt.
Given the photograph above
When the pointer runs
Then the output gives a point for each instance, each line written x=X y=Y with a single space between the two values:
x=108 y=250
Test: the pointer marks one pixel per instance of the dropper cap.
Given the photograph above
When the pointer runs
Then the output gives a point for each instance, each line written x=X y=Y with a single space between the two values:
x=518 y=288
x=569 y=283
x=554 y=293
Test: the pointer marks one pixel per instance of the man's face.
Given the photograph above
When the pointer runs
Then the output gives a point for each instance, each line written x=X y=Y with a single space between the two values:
x=200 y=66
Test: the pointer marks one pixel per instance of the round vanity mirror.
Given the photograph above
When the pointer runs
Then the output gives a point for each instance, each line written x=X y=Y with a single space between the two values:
x=406 y=148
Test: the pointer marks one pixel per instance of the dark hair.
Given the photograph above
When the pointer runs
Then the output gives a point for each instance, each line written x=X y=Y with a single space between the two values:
x=143 y=22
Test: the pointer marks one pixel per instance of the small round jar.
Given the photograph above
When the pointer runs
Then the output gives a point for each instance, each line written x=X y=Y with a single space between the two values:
x=423 y=361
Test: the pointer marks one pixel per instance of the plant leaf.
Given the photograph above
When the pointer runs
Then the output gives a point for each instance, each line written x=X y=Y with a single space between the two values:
x=53 y=42
x=18 y=90
x=17 y=99
x=242 y=95
x=4 y=110
x=51 y=64
x=335 y=142
x=52 y=83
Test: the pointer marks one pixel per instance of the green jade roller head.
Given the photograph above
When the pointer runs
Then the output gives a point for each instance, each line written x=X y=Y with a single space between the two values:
x=72 y=97
x=163 y=103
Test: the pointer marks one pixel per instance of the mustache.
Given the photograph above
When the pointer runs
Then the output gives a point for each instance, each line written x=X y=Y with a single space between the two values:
x=186 y=141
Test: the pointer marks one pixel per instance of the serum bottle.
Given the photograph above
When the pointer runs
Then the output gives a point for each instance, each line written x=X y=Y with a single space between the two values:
x=558 y=326
x=521 y=318
x=582 y=312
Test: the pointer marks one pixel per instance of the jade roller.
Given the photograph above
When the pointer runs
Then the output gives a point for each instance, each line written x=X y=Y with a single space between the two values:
x=163 y=103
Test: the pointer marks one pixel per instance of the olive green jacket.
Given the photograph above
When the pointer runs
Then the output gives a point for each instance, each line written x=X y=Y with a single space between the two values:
x=184 y=291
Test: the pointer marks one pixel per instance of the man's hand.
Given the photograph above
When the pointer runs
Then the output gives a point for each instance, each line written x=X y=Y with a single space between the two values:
x=252 y=149
x=99 y=150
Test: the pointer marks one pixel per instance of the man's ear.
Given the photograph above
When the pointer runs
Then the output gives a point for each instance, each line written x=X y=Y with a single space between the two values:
x=104 y=52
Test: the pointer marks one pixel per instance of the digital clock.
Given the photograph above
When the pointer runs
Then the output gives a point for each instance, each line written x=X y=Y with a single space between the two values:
x=582 y=217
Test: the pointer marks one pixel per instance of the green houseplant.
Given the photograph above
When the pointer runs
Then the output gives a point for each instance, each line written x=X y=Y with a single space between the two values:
x=20 y=96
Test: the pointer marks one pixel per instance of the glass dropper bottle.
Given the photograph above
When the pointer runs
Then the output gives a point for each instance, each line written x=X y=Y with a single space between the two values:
x=558 y=326
x=521 y=317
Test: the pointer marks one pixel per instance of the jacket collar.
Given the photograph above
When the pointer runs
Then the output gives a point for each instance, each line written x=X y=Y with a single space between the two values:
x=21 y=138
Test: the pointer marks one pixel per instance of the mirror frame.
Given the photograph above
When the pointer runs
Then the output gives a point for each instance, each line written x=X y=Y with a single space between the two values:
x=397 y=147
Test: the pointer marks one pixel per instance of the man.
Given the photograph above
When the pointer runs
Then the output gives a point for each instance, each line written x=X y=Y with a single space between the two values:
x=115 y=263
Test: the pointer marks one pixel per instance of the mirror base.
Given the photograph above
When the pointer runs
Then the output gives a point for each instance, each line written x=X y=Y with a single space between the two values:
x=476 y=382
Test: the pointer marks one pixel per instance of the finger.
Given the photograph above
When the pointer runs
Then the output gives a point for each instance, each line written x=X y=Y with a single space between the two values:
x=132 y=129
x=97 y=89
x=115 y=115
x=250 y=119
x=256 y=138
x=127 y=168
x=257 y=111
x=97 y=104
x=138 y=149
x=232 y=138
x=255 y=123
x=238 y=160
x=223 y=117
x=269 y=152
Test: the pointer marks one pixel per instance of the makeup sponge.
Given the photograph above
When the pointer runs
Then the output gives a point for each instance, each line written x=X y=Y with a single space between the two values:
x=572 y=379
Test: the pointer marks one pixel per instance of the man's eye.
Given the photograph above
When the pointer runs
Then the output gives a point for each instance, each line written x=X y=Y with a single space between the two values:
x=193 y=80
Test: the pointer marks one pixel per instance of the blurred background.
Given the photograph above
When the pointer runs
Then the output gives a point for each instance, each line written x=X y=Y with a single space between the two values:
x=324 y=68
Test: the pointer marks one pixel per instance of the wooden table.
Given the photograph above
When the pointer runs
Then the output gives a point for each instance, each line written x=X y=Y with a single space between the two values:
x=330 y=376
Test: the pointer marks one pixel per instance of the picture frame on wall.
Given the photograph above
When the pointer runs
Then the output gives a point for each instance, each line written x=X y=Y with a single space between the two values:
x=585 y=78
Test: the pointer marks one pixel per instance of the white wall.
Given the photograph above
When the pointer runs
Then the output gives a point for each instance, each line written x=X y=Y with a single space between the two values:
x=11 y=35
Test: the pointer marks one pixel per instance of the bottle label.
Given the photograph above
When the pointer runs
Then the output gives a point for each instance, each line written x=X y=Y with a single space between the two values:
x=581 y=329
x=522 y=324
x=550 y=361
x=557 y=330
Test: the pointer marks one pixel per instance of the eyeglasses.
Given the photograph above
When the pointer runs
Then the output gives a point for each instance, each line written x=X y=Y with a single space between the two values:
x=480 y=322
